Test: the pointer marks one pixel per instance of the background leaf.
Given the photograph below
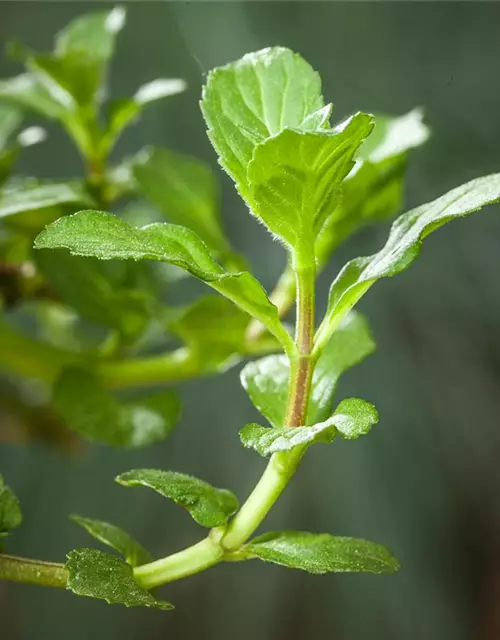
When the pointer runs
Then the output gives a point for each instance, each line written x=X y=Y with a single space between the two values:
x=94 y=413
x=208 y=506
x=114 y=537
x=186 y=191
x=100 y=575
x=322 y=553
x=10 y=509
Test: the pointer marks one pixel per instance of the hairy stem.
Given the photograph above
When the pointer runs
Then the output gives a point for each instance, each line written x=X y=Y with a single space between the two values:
x=46 y=574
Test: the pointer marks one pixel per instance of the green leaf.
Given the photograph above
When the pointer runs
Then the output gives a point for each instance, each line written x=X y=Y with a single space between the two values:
x=116 y=538
x=266 y=380
x=100 y=575
x=352 y=418
x=29 y=92
x=185 y=190
x=91 y=35
x=34 y=204
x=321 y=553
x=84 y=285
x=94 y=413
x=254 y=98
x=10 y=120
x=199 y=326
x=373 y=191
x=295 y=179
x=123 y=112
x=101 y=235
x=10 y=510
x=208 y=506
x=403 y=246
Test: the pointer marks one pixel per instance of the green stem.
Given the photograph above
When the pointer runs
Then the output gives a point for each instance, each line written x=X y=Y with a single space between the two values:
x=46 y=574
x=200 y=556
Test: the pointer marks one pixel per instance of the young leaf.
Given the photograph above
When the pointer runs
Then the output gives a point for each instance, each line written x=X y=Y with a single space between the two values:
x=116 y=538
x=10 y=510
x=100 y=575
x=185 y=190
x=83 y=284
x=403 y=247
x=255 y=98
x=352 y=418
x=91 y=35
x=208 y=506
x=101 y=235
x=94 y=413
x=321 y=553
x=266 y=380
x=28 y=92
x=199 y=326
x=123 y=112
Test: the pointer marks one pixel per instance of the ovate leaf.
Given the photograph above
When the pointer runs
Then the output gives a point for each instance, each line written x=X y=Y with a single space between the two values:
x=185 y=190
x=403 y=246
x=255 y=98
x=94 y=413
x=116 y=538
x=10 y=509
x=101 y=235
x=295 y=178
x=208 y=506
x=100 y=575
x=322 y=553
x=352 y=418
x=266 y=380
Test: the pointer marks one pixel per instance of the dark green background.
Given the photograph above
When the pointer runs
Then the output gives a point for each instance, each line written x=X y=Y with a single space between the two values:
x=426 y=482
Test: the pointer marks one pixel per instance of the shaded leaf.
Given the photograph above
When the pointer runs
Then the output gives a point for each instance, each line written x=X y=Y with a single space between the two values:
x=100 y=575
x=185 y=190
x=101 y=235
x=352 y=418
x=266 y=380
x=116 y=538
x=322 y=553
x=214 y=330
x=208 y=506
x=403 y=246
x=10 y=509
x=83 y=285
x=95 y=414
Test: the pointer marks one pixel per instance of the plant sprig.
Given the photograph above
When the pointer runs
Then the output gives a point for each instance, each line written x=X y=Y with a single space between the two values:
x=302 y=178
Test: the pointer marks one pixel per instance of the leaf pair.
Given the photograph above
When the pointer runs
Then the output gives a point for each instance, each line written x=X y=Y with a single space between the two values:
x=268 y=123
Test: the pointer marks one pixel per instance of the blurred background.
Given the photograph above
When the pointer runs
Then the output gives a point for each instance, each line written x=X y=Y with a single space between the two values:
x=427 y=480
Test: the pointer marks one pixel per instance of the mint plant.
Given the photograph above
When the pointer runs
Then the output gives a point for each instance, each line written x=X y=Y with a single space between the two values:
x=312 y=185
